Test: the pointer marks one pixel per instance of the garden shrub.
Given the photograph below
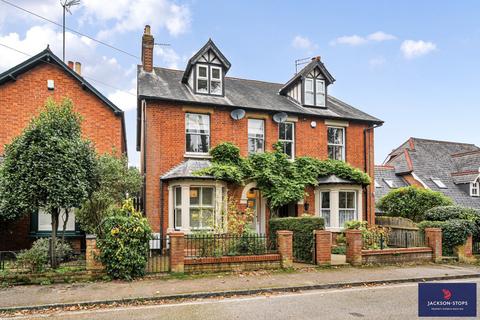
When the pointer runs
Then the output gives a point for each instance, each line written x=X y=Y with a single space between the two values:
x=303 y=239
x=372 y=236
x=124 y=249
x=411 y=202
x=454 y=232
x=36 y=258
x=446 y=213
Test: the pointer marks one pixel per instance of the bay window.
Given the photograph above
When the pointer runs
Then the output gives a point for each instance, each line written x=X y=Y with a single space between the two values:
x=336 y=143
x=347 y=207
x=256 y=136
x=202 y=207
x=177 y=210
x=197 y=132
x=325 y=207
x=286 y=134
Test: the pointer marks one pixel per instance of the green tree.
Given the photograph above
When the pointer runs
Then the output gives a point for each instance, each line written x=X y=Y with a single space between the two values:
x=116 y=182
x=411 y=202
x=49 y=166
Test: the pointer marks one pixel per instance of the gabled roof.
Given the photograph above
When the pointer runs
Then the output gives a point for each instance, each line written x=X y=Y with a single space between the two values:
x=315 y=63
x=166 y=85
x=210 y=45
x=47 y=56
x=454 y=164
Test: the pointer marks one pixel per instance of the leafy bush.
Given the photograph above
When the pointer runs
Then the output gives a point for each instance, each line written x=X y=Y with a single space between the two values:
x=124 y=249
x=412 y=202
x=445 y=213
x=454 y=232
x=303 y=239
x=36 y=258
x=372 y=236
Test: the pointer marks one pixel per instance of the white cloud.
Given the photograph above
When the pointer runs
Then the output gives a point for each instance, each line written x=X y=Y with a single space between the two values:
x=125 y=100
x=129 y=15
x=356 y=40
x=300 y=42
x=412 y=49
x=168 y=57
x=380 y=36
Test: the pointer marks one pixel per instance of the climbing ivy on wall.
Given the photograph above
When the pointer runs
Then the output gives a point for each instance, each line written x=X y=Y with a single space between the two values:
x=280 y=180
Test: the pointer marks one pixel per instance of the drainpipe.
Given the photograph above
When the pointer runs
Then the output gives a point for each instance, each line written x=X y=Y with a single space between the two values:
x=366 y=165
x=161 y=208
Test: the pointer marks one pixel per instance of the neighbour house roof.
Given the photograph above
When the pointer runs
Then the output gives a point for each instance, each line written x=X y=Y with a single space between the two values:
x=454 y=164
x=186 y=170
x=385 y=175
x=166 y=84
x=47 y=56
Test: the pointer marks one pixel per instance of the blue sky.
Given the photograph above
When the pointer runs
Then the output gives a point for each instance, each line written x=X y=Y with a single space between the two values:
x=413 y=64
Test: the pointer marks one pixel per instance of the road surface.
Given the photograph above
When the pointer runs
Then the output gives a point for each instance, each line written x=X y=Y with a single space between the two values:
x=380 y=302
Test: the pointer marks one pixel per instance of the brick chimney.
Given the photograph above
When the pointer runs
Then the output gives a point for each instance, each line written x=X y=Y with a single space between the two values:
x=70 y=64
x=317 y=58
x=147 y=50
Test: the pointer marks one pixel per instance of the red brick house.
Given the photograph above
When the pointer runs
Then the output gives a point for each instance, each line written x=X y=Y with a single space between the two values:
x=23 y=92
x=183 y=113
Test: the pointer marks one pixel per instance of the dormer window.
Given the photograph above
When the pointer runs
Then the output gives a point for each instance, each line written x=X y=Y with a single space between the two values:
x=475 y=188
x=314 y=92
x=209 y=79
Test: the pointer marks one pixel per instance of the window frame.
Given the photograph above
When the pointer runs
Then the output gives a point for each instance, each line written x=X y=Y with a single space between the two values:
x=312 y=92
x=315 y=92
x=220 y=80
x=198 y=77
x=177 y=206
x=475 y=188
x=439 y=183
x=328 y=222
x=292 y=157
x=342 y=145
x=201 y=207
x=255 y=137
x=199 y=134
x=355 y=206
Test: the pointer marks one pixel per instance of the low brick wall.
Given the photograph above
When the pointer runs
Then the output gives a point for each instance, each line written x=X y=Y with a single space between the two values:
x=397 y=255
x=233 y=263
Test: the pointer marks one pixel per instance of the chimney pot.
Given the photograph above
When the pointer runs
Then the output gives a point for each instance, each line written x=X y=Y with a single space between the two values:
x=317 y=58
x=70 y=64
x=147 y=30
x=78 y=68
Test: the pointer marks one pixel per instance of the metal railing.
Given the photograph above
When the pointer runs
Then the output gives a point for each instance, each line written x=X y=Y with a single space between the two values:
x=9 y=261
x=158 y=255
x=476 y=247
x=218 y=245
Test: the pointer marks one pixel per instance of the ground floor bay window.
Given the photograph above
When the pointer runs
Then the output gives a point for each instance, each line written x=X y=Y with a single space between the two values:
x=338 y=204
x=196 y=205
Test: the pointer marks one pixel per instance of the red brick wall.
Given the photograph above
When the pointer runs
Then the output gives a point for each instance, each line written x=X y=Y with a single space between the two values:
x=165 y=140
x=24 y=98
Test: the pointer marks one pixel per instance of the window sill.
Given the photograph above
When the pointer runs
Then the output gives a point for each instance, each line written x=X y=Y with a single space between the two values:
x=197 y=155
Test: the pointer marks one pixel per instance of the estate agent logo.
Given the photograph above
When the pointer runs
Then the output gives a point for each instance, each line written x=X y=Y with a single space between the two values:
x=447 y=299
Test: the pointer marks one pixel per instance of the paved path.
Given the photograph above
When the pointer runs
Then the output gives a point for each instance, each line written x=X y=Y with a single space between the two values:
x=100 y=291
x=383 y=302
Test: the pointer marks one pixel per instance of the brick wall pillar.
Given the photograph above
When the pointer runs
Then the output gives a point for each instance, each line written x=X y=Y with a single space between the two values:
x=285 y=247
x=92 y=254
x=177 y=251
x=354 y=247
x=323 y=247
x=465 y=251
x=433 y=238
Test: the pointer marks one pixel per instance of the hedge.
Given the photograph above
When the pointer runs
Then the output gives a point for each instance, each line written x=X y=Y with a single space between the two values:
x=303 y=239
x=411 y=202
x=454 y=232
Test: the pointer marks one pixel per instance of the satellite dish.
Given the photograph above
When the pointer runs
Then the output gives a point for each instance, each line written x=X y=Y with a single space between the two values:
x=237 y=114
x=280 y=117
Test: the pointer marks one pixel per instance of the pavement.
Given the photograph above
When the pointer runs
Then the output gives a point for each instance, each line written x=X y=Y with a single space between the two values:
x=224 y=284
x=398 y=301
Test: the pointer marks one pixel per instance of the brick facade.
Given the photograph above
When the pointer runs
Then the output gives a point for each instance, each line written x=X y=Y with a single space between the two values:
x=24 y=98
x=165 y=148
x=354 y=247
x=323 y=247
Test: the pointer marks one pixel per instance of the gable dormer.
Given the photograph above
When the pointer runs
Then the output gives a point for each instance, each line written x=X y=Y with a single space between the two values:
x=205 y=72
x=309 y=86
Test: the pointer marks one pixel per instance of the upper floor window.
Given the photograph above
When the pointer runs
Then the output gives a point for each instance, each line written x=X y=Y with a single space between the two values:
x=209 y=79
x=256 y=136
x=475 y=188
x=197 y=132
x=314 y=92
x=336 y=143
x=286 y=134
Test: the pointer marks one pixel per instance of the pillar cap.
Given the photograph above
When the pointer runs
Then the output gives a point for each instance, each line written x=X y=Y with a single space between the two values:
x=322 y=232
x=176 y=234
x=285 y=232
x=90 y=236
x=433 y=229
x=353 y=231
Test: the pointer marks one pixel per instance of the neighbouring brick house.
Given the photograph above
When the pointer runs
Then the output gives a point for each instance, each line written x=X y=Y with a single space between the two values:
x=23 y=92
x=449 y=167
x=184 y=113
